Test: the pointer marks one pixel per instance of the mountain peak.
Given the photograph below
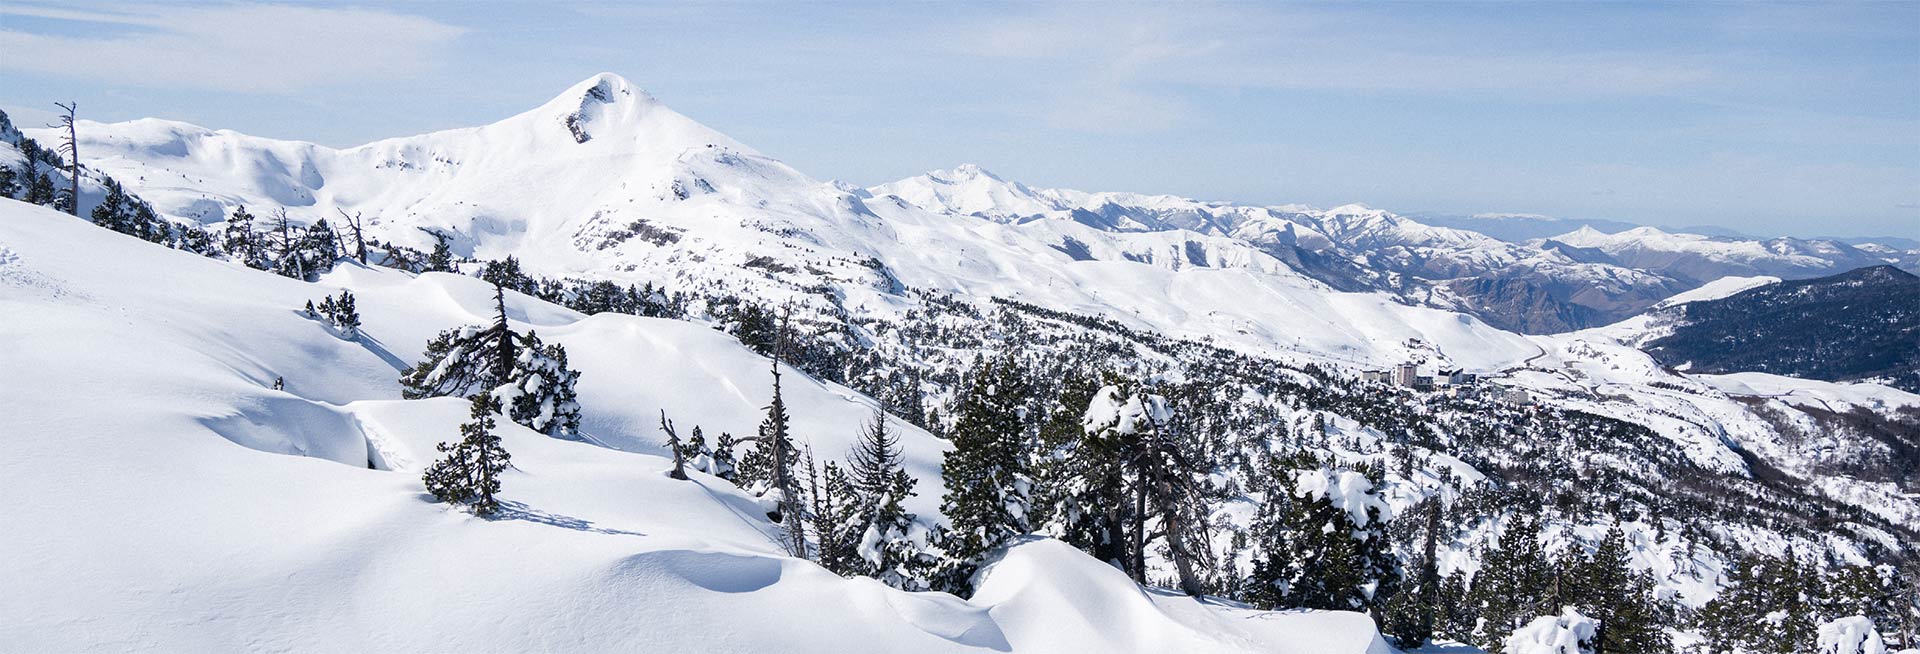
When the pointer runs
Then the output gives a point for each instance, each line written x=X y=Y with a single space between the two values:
x=964 y=173
x=605 y=97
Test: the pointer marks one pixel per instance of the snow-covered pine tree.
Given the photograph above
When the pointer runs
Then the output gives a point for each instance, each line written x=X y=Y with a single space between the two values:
x=1080 y=492
x=1632 y=619
x=470 y=472
x=305 y=253
x=1766 y=607
x=9 y=182
x=1415 y=610
x=888 y=540
x=441 y=260
x=838 y=522
x=241 y=242
x=463 y=360
x=1270 y=583
x=695 y=452
x=1339 y=542
x=724 y=465
x=40 y=190
x=986 y=472
x=1511 y=588
x=531 y=380
x=339 y=312
x=539 y=388
x=1140 y=426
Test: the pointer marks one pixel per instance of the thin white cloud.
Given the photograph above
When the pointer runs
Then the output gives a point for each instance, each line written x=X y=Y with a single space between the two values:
x=1130 y=68
x=261 y=48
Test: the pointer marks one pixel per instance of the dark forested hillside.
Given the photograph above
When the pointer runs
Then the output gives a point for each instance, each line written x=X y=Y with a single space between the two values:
x=1855 y=325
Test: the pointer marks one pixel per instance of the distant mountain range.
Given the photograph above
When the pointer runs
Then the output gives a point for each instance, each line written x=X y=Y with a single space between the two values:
x=1532 y=274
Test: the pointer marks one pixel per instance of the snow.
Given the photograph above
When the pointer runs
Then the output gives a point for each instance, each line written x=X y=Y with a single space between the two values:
x=1832 y=396
x=1038 y=578
x=179 y=503
x=1850 y=635
x=1347 y=490
x=1723 y=287
x=1124 y=417
x=1568 y=633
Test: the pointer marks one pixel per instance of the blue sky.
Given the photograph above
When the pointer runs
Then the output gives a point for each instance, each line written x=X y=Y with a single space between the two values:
x=1767 y=118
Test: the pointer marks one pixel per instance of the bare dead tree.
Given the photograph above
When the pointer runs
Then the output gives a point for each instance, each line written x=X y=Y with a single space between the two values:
x=673 y=443
x=71 y=148
x=359 y=240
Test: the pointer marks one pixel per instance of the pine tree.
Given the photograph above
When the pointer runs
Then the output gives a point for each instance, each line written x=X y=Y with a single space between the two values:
x=1341 y=563
x=696 y=453
x=767 y=470
x=470 y=471
x=9 y=182
x=39 y=188
x=531 y=379
x=340 y=312
x=986 y=472
x=463 y=360
x=506 y=273
x=839 y=523
x=304 y=253
x=884 y=533
x=441 y=260
x=1270 y=583
x=1140 y=426
x=875 y=457
x=755 y=327
x=1632 y=620
x=724 y=465
x=241 y=242
x=539 y=388
x=1080 y=492
x=1765 y=607
x=1511 y=588
x=128 y=215
x=112 y=212
x=1417 y=608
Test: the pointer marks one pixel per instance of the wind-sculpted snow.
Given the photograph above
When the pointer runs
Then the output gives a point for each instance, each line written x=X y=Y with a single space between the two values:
x=172 y=500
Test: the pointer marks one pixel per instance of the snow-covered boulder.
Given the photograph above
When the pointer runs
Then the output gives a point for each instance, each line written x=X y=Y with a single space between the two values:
x=1851 y=635
x=1567 y=633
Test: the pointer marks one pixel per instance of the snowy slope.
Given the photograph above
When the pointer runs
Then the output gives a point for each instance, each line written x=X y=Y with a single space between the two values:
x=181 y=504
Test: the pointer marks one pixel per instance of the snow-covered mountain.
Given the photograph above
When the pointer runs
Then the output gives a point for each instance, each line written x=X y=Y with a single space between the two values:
x=1262 y=316
x=1697 y=259
x=1516 y=286
x=605 y=180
